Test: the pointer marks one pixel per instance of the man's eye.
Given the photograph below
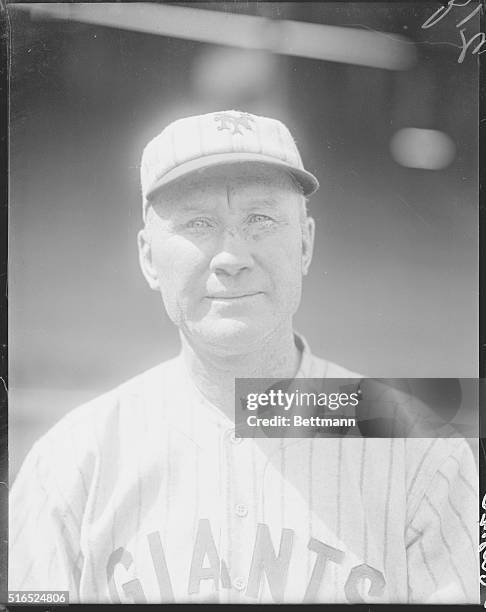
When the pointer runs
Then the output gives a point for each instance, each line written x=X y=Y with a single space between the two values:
x=259 y=218
x=199 y=223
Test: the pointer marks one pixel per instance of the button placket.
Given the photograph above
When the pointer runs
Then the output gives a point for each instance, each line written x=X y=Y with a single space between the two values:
x=242 y=531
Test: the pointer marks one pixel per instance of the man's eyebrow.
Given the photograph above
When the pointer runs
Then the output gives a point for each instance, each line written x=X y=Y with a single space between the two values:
x=265 y=202
x=171 y=207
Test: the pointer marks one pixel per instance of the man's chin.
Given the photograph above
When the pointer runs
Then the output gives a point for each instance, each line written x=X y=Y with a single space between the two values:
x=228 y=336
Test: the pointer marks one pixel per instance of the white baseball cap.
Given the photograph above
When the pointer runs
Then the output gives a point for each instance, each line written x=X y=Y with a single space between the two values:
x=226 y=137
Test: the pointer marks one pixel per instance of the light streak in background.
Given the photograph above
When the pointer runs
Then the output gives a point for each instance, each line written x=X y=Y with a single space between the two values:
x=286 y=37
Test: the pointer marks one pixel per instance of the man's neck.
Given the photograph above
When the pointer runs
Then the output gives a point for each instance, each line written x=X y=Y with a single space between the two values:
x=214 y=374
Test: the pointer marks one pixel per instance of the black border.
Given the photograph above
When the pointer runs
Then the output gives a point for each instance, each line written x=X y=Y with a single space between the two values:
x=4 y=35
x=482 y=274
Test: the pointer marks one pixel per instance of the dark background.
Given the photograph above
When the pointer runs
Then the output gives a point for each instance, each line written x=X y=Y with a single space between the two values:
x=393 y=287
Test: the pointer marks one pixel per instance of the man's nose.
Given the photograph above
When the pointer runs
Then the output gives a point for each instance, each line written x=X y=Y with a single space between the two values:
x=232 y=255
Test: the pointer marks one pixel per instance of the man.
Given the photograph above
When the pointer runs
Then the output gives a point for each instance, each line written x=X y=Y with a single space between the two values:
x=146 y=495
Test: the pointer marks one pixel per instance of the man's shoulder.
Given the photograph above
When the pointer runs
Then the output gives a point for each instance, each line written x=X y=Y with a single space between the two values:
x=106 y=432
x=126 y=402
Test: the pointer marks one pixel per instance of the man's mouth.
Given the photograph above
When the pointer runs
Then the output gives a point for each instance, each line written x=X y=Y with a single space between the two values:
x=232 y=296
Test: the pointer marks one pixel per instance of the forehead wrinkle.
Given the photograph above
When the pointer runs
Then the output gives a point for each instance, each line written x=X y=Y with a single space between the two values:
x=261 y=188
x=228 y=197
x=249 y=199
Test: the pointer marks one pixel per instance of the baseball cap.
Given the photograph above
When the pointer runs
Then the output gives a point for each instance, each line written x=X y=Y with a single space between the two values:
x=195 y=143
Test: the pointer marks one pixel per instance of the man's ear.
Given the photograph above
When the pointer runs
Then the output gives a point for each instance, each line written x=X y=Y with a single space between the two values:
x=308 y=233
x=145 y=259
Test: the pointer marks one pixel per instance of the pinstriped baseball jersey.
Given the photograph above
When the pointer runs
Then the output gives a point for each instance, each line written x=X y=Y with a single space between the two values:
x=146 y=495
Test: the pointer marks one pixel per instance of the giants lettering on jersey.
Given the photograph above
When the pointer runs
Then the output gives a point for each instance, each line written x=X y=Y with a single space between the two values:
x=266 y=562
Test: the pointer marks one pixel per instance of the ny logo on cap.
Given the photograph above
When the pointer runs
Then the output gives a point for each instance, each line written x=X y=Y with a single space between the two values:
x=229 y=121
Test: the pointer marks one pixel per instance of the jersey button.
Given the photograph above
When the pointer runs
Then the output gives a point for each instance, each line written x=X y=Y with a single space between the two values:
x=241 y=510
x=239 y=584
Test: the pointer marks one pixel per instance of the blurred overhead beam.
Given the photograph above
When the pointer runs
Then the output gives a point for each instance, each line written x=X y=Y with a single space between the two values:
x=286 y=37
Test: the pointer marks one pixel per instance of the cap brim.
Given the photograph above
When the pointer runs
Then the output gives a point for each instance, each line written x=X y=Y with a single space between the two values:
x=306 y=180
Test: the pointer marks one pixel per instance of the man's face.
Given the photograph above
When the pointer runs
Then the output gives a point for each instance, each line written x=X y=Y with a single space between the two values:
x=227 y=250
